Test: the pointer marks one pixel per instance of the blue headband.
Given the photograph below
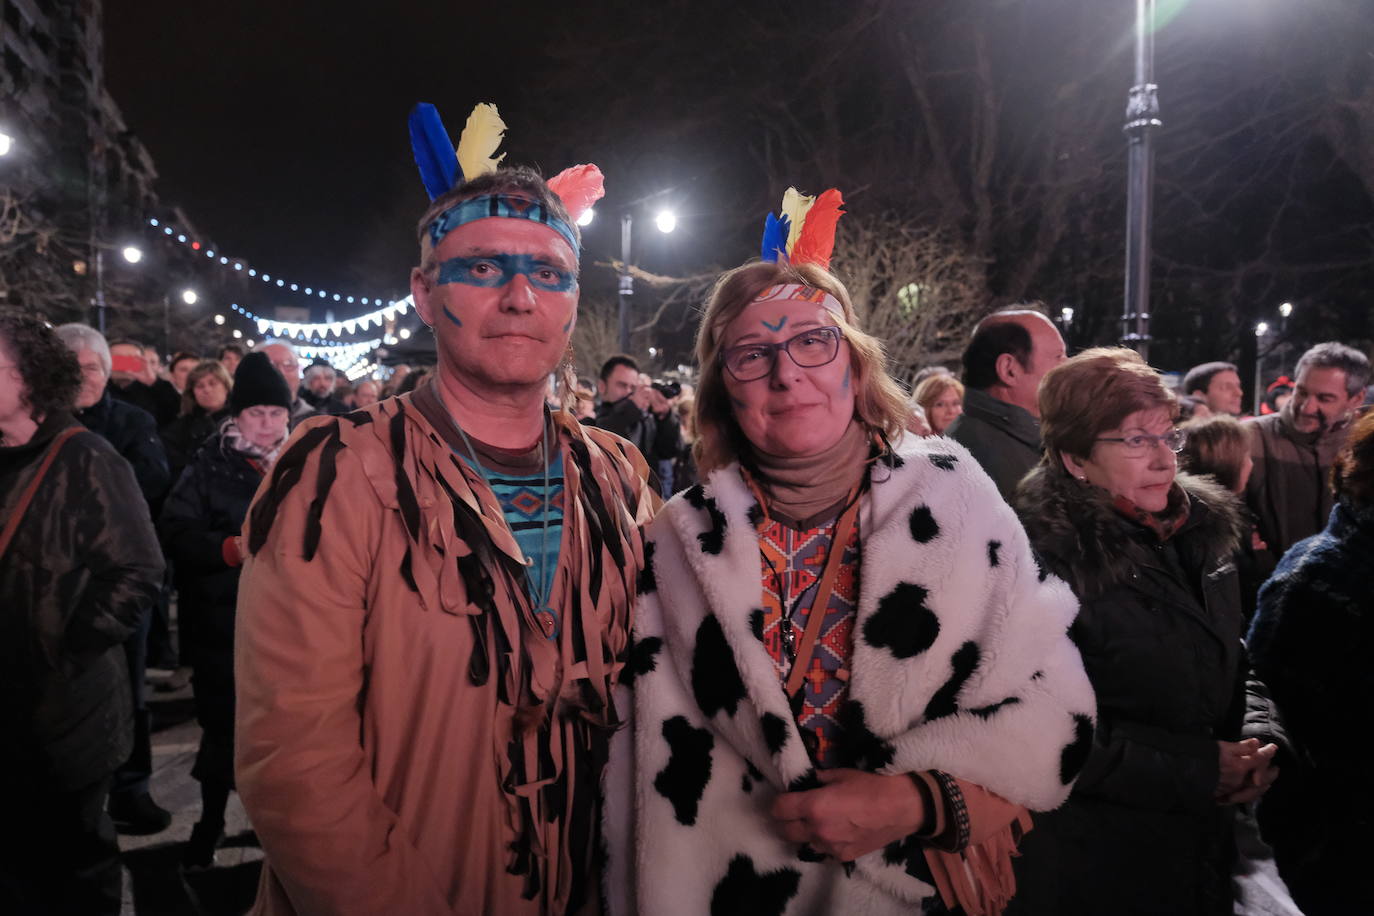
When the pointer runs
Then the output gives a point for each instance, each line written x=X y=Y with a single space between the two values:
x=503 y=206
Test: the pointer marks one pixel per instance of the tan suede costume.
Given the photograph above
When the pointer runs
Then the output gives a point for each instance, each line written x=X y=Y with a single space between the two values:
x=409 y=741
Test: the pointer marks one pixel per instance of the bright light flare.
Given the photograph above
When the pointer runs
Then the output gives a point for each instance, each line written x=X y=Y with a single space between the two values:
x=666 y=221
x=6 y=143
x=189 y=296
x=587 y=216
x=219 y=319
x=1261 y=329
x=1286 y=309
x=132 y=253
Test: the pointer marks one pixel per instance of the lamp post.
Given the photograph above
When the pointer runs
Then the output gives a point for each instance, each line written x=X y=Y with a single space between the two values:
x=1261 y=330
x=665 y=221
x=1142 y=120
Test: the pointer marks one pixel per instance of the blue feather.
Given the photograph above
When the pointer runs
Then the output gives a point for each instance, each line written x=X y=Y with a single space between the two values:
x=775 y=229
x=434 y=152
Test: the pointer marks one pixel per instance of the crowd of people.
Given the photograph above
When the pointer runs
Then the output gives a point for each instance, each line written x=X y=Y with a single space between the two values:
x=791 y=639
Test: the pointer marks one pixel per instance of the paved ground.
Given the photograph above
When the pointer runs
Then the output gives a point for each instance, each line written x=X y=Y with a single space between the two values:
x=154 y=885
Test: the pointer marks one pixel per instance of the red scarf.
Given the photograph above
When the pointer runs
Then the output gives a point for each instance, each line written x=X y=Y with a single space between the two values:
x=1164 y=524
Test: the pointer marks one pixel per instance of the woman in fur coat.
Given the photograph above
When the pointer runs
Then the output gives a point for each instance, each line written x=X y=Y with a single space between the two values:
x=850 y=678
x=1180 y=741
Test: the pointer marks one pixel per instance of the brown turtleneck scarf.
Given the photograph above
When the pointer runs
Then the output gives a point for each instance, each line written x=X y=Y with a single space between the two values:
x=802 y=492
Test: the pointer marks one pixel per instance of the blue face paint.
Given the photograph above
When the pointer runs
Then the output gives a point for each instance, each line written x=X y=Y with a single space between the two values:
x=846 y=375
x=736 y=401
x=452 y=317
x=498 y=205
x=778 y=327
x=495 y=270
x=567 y=327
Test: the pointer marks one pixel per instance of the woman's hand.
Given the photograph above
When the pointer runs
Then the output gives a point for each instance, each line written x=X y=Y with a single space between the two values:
x=1246 y=770
x=852 y=814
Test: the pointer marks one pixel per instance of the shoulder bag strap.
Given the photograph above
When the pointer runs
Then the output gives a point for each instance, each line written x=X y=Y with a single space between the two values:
x=816 y=615
x=12 y=523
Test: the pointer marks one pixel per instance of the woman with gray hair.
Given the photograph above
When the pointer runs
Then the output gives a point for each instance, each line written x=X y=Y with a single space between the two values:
x=79 y=562
x=841 y=634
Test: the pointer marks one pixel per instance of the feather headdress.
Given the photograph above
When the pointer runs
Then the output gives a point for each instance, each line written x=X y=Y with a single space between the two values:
x=442 y=167
x=805 y=232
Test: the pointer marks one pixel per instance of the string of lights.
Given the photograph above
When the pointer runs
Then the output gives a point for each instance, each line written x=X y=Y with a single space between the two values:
x=313 y=330
x=239 y=264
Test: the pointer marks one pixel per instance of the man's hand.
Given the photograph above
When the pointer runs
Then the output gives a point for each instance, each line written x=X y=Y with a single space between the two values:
x=642 y=396
x=1246 y=770
x=657 y=402
x=852 y=814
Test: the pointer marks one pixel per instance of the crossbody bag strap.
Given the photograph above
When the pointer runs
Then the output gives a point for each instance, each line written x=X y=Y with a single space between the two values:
x=816 y=616
x=12 y=523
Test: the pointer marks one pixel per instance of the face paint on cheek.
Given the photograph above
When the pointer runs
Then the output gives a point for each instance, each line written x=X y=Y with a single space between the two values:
x=568 y=327
x=452 y=317
x=490 y=271
x=737 y=402
x=847 y=370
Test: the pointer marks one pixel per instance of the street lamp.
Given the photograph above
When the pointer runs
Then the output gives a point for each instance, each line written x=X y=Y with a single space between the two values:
x=189 y=296
x=665 y=221
x=1261 y=329
x=132 y=253
x=1142 y=120
x=6 y=143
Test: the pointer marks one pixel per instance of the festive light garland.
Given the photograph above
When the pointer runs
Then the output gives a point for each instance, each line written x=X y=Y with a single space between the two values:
x=350 y=352
x=238 y=264
x=316 y=329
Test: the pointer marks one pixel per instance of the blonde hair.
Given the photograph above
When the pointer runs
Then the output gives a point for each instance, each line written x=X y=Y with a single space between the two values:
x=203 y=368
x=1083 y=397
x=933 y=387
x=878 y=401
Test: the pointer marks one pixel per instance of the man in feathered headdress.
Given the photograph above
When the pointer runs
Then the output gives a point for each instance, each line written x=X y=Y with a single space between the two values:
x=435 y=605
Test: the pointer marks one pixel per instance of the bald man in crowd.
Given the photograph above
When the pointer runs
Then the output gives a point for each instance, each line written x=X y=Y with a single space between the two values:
x=1008 y=355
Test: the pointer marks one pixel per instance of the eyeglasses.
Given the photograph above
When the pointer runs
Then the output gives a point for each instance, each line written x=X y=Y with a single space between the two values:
x=1141 y=443
x=809 y=349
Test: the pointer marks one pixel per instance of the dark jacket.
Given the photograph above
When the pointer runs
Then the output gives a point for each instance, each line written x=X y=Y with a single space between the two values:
x=184 y=436
x=657 y=438
x=160 y=399
x=83 y=565
x=1003 y=437
x=324 y=405
x=1289 y=489
x=1159 y=629
x=207 y=505
x=1312 y=642
x=133 y=433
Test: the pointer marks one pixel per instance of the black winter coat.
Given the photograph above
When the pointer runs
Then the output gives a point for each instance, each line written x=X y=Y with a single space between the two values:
x=1312 y=642
x=1160 y=630
x=207 y=505
x=184 y=436
x=133 y=433
x=83 y=566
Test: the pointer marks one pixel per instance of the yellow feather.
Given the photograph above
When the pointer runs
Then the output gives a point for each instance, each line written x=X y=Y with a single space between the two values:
x=794 y=207
x=479 y=142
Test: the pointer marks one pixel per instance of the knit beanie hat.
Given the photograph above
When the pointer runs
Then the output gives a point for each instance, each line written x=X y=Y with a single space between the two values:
x=257 y=381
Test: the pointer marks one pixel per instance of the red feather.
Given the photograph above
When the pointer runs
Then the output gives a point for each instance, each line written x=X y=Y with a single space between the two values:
x=578 y=187
x=817 y=239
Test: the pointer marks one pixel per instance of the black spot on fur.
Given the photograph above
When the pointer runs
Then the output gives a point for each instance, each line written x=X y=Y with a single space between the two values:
x=1041 y=573
x=891 y=459
x=751 y=775
x=712 y=541
x=774 y=732
x=805 y=782
x=807 y=854
x=902 y=623
x=1075 y=754
x=645 y=583
x=985 y=712
x=964 y=662
x=1037 y=675
x=944 y=462
x=756 y=623
x=993 y=547
x=856 y=746
x=684 y=779
x=755 y=514
x=924 y=528
x=745 y=892
x=910 y=854
x=716 y=682
x=643 y=659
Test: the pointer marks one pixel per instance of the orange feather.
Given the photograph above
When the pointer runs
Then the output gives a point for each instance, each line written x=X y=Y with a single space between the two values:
x=817 y=239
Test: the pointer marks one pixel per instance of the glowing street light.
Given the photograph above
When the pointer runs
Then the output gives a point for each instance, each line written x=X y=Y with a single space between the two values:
x=405 y=332
x=132 y=253
x=1261 y=329
x=219 y=319
x=1286 y=309
x=666 y=221
x=587 y=216
x=189 y=296
x=6 y=143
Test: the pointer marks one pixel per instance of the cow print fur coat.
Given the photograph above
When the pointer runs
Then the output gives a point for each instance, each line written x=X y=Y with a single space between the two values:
x=962 y=663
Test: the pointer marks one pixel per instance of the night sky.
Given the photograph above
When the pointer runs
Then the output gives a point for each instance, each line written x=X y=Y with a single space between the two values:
x=280 y=128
